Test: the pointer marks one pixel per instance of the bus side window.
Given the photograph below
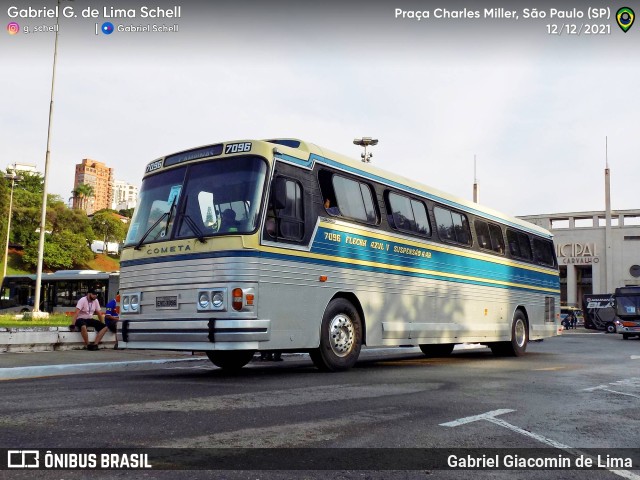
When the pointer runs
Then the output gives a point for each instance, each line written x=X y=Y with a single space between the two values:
x=452 y=226
x=347 y=197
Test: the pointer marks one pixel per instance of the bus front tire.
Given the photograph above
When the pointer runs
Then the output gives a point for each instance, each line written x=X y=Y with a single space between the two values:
x=610 y=328
x=517 y=346
x=437 y=350
x=340 y=337
x=231 y=360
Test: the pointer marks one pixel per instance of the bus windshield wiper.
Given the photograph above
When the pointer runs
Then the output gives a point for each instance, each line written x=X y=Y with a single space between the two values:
x=194 y=228
x=166 y=215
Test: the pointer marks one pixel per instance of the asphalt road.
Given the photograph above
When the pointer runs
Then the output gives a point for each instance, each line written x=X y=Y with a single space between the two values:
x=577 y=391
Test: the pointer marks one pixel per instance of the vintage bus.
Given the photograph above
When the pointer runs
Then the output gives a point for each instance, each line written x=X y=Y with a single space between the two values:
x=281 y=245
x=61 y=290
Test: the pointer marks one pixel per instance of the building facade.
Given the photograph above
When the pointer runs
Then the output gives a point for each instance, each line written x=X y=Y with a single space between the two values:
x=125 y=195
x=100 y=177
x=595 y=256
x=23 y=168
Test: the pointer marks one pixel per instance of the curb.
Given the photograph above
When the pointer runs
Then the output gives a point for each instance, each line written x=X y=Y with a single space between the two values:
x=45 y=339
x=19 y=373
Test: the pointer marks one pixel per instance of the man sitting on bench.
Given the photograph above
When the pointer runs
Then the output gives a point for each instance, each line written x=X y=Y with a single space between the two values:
x=87 y=307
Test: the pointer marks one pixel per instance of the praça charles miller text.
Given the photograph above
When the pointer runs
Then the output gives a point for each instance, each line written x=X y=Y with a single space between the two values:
x=501 y=13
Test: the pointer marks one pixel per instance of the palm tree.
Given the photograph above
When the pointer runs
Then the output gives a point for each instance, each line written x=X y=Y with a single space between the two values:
x=81 y=195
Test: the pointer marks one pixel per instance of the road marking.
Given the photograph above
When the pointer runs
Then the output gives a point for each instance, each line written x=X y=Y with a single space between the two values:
x=627 y=382
x=475 y=418
x=635 y=357
x=491 y=417
x=548 y=369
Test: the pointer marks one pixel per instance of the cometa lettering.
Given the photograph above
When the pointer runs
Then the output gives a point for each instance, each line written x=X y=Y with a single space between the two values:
x=172 y=249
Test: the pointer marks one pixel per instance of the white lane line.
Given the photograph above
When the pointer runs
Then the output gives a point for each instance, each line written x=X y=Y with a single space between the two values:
x=17 y=373
x=535 y=436
x=635 y=357
x=491 y=417
x=607 y=389
x=475 y=418
x=627 y=382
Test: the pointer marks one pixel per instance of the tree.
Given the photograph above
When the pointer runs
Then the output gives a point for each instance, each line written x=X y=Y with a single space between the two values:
x=27 y=208
x=68 y=232
x=81 y=195
x=108 y=226
x=126 y=213
x=5 y=186
x=61 y=250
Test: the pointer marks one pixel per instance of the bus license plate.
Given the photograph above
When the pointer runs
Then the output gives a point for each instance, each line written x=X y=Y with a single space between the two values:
x=167 y=302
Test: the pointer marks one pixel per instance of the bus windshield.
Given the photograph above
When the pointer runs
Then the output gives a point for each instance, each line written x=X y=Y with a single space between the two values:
x=199 y=200
x=627 y=303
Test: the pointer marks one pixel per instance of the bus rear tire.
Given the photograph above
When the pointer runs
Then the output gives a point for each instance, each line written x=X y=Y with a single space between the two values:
x=517 y=347
x=231 y=360
x=437 y=350
x=610 y=328
x=340 y=337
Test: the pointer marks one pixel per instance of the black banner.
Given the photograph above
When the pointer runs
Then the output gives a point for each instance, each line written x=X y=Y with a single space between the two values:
x=319 y=459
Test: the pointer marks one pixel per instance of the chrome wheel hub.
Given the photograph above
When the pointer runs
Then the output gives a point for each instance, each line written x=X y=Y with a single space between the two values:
x=520 y=333
x=341 y=335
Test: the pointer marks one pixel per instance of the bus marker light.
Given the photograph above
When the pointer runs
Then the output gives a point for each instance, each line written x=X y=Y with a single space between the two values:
x=323 y=278
x=250 y=298
x=237 y=299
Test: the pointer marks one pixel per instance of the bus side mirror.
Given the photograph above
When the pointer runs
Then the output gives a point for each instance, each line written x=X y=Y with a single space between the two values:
x=279 y=193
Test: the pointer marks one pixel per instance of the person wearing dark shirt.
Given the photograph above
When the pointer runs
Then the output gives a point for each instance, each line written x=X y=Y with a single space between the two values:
x=112 y=315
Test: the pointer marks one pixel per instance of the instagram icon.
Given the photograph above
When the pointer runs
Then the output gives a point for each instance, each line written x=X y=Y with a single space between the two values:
x=13 y=28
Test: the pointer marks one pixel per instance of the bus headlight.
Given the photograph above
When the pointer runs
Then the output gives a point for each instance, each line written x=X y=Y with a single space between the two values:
x=135 y=302
x=217 y=300
x=203 y=300
x=130 y=302
x=212 y=300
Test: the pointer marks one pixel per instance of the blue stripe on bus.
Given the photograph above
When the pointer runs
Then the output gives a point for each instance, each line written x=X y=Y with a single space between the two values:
x=423 y=258
x=406 y=188
x=371 y=268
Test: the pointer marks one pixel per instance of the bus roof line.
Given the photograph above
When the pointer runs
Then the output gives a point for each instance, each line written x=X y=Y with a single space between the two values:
x=439 y=197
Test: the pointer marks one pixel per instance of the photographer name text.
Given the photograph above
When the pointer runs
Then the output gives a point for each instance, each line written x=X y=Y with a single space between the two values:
x=90 y=12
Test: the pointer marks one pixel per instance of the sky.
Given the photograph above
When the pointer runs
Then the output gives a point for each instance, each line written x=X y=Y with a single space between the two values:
x=533 y=107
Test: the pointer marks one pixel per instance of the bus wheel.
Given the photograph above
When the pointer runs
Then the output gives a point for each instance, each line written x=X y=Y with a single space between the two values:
x=230 y=360
x=610 y=328
x=437 y=350
x=625 y=336
x=519 y=339
x=340 y=337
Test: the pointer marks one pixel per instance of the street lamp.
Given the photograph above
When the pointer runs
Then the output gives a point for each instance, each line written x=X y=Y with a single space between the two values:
x=14 y=178
x=43 y=218
x=365 y=142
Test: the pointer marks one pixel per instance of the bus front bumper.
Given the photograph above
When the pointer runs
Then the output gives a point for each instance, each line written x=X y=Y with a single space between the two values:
x=212 y=334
